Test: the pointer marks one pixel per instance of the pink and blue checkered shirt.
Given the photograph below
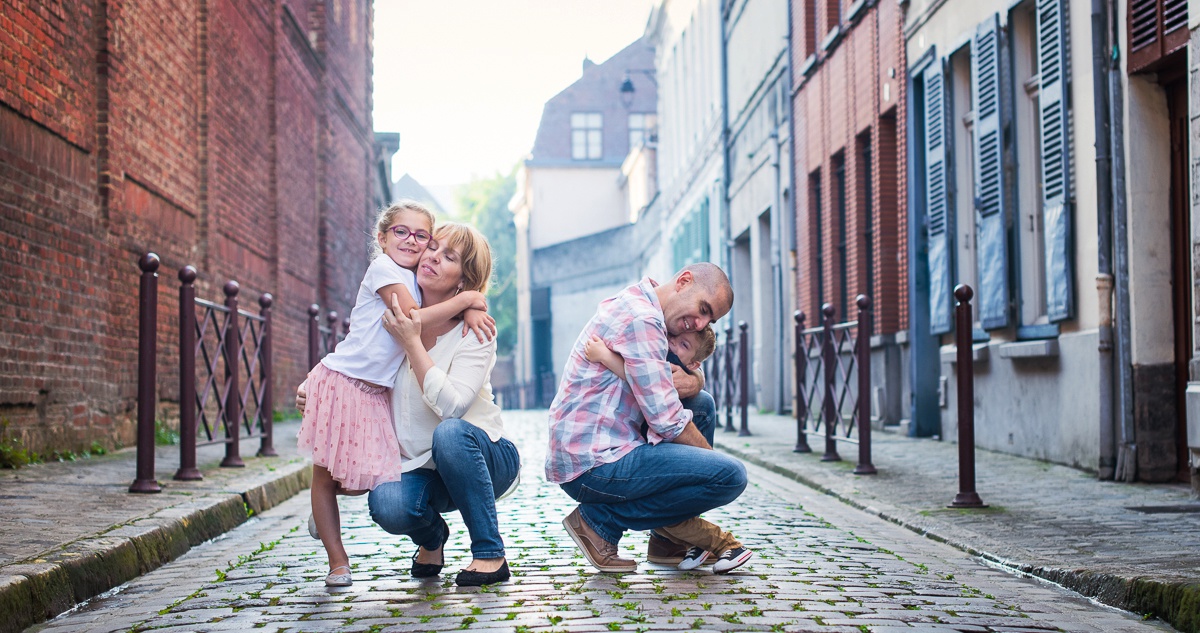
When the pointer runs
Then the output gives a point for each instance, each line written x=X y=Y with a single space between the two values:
x=596 y=416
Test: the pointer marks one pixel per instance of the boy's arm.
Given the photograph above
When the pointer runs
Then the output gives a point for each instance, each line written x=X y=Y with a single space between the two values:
x=598 y=352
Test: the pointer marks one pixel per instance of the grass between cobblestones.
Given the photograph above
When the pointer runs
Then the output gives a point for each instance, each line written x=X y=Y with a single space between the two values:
x=814 y=571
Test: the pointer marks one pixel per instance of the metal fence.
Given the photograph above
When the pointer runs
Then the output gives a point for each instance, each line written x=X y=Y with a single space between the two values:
x=534 y=394
x=833 y=383
x=227 y=394
x=323 y=339
x=727 y=379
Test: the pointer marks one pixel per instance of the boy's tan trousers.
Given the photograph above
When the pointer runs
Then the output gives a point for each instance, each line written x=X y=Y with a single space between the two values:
x=700 y=533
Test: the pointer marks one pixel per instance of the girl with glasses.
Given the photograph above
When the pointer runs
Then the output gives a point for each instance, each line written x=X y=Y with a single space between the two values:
x=348 y=429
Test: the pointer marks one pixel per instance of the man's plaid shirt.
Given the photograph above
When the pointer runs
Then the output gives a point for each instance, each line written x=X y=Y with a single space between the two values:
x=596 y=416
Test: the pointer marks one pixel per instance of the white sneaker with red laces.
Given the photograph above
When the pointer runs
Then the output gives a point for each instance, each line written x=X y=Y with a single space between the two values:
x=731 y=559
x=694 y=557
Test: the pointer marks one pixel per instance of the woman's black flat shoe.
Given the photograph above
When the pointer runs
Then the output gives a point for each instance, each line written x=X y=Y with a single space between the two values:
x=429 y=570
x=424 y=570
x=472 y=578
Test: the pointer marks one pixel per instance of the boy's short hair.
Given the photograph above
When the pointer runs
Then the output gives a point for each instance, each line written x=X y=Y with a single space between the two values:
x=707 y=344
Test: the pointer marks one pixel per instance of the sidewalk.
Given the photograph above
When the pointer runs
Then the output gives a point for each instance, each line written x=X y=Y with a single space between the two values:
x=1049 y=521
x=71 y=530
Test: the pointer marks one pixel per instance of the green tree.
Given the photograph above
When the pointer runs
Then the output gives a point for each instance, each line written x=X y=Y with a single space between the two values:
x=483 y=203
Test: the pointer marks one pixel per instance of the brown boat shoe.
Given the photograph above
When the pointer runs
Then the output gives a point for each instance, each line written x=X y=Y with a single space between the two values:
x=599 y=552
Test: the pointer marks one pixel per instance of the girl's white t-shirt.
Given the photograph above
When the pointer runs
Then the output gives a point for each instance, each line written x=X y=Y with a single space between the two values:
x=368 y=352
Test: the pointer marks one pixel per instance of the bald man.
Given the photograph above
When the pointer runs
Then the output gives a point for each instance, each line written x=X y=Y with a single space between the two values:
x=622 y=480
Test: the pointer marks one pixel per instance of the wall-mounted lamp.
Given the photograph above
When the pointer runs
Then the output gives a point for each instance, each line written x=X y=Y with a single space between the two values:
x=627 y=88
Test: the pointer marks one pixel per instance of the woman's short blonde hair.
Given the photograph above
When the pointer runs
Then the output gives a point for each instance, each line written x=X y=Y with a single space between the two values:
x=474 y=250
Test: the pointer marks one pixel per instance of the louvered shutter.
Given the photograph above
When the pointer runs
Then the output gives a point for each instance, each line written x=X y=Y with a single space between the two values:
x=990 y=192
x=1157 y=28
x=1056 y=170
x=937 y=202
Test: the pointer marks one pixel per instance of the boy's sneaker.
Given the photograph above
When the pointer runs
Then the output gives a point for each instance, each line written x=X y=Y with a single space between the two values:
x=731 y=559
x=694 y=557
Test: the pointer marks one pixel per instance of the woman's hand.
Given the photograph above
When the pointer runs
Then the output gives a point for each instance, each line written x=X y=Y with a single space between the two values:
x=479 y=322
x=406 y=330
x=301 y=396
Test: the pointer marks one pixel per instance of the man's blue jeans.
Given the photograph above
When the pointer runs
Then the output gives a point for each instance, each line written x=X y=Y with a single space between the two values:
x=471 y=472
x=657 y=485
x=704 y=413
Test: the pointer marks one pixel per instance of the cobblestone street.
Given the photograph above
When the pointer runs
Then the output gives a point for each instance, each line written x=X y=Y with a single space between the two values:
x=819 y=566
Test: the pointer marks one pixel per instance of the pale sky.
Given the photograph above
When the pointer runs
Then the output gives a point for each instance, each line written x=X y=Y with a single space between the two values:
x=464 y=81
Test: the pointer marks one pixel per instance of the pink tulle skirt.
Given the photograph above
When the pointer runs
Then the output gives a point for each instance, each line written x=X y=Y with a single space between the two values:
x=348 y=429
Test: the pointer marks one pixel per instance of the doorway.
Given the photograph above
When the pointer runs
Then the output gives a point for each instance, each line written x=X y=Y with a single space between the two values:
x=1181 y=262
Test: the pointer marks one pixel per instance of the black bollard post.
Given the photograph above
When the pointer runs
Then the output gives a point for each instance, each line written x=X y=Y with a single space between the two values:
x=233 y=397
x=187 y=377
x=744 y=378
x=313 y=335
x=331 y=339
x=729 y=377
x=267 y=410
x=862 y=347
x=147 y=374
x=963 y=326
x=829 y=406
x=801 y=380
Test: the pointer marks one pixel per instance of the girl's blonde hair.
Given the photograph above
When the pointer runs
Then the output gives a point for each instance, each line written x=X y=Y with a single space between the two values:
x=474 y=250
x=387 y=217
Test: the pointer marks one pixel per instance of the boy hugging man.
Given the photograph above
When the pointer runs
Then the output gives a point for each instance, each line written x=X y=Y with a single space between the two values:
x=687 y=350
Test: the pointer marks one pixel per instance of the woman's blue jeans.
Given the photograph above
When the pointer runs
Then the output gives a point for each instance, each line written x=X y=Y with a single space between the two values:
x=471 y=472
x=657 y=484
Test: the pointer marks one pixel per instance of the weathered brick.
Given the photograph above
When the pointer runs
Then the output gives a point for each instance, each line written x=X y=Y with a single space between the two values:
x=235 y=137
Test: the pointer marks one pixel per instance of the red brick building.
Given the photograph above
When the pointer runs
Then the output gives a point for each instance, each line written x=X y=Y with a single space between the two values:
x=232 y=136
x=848 y=104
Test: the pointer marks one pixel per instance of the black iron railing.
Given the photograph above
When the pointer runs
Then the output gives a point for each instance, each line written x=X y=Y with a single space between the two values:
x=833 y=383
x=227 y=394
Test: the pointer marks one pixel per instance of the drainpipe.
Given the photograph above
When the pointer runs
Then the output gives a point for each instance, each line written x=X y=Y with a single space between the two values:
x=777 y=271
x=1126 y=467
x=727 y=176
x=1104 y=278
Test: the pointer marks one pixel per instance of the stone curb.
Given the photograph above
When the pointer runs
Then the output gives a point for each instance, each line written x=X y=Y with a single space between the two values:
x=1178 y=604
x=37 y=590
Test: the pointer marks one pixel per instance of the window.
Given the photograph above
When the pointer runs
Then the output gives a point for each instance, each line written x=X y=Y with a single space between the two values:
x=1157 y=28
x=839 y=210
x=1031 y=290
x=866 y=215
x=962 y=154
x=642 y=130
x=587 y=135
x=689 y=243
x=818 y=239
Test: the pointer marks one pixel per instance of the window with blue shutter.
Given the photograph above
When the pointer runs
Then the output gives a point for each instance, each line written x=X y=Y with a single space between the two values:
x=1056 y=170
x=689 y=242
x=991 y=188
x=937 y=201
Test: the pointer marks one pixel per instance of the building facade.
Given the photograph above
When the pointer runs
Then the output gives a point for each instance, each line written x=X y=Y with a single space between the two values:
x=756 y=214
x=580 y=181
x=851 y=207
x=1054 y=187
x=235 y=137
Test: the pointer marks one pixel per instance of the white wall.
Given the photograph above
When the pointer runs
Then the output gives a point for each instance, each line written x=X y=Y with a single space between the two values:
x=571 y=202
x=571 y=311
x=758 y=35
x=1148 y=184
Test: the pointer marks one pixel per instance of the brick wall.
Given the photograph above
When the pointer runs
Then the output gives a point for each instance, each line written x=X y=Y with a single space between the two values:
x=232 y=136
x=844 y=115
